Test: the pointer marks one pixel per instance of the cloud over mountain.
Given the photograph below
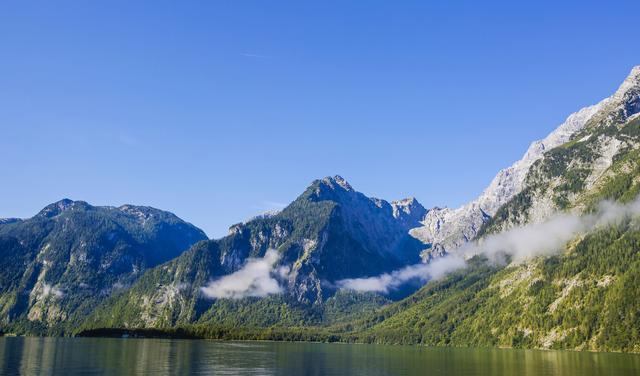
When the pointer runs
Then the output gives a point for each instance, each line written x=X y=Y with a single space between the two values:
x=257 y=278
x=518 y=244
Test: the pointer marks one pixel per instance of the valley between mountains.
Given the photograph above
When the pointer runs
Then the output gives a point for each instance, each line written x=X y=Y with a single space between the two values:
x=548 y=256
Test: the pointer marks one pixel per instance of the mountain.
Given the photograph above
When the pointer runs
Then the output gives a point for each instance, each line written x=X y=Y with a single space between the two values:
x=581 y=295
x=329 y=233
x=578 y=294
x=547 y=257
x=450 y=228
x=58 y=265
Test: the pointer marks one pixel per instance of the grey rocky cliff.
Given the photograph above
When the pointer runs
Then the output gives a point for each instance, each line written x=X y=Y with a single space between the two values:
x=448 y=229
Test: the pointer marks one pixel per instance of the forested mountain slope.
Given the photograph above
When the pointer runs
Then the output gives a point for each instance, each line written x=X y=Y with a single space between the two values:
x=329 y=233
x=58 y=265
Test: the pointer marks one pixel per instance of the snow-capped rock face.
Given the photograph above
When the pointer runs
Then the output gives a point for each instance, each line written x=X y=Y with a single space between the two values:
x=450 y=228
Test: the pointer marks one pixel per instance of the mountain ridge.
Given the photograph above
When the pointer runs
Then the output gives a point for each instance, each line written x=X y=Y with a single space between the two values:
x=448 y=229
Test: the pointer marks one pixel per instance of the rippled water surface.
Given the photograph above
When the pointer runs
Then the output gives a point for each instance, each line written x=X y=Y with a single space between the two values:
x=67 y=356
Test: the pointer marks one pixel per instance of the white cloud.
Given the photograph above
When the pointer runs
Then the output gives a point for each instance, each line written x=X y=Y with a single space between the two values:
x=388 y=281
x=51 y=290
x=520 y=243
x=257 y=278
x=550 y=236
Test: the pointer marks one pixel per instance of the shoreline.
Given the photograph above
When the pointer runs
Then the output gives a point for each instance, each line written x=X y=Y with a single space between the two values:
x=183 y=334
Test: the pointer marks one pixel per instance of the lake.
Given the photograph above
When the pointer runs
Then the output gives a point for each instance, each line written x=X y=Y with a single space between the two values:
x=67 y=356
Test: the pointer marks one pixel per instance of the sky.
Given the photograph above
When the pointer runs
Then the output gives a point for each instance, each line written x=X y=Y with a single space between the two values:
x=220 y=110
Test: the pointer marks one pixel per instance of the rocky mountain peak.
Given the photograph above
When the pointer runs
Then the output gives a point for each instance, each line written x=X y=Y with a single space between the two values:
x=409 y=211
x=331 y=188
x=406 y=202
x=630 y=83
x=336 y=182
x=626 y=100
x=622 y=105
x=63 y=204
x=408 y=206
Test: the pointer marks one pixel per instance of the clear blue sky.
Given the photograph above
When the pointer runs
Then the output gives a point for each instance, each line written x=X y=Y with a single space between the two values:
x=218 y=110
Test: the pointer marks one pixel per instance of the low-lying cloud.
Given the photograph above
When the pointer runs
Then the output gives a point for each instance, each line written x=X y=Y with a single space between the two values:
x=550 y=236
x=517 y=244
x=389 y=281
x=257 y=278
x=48 y=290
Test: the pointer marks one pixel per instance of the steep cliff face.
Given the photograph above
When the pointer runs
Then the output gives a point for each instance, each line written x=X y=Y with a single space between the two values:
x=450 y=228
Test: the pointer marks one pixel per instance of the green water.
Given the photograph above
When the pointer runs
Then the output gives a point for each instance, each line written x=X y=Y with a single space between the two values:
x=69 y=356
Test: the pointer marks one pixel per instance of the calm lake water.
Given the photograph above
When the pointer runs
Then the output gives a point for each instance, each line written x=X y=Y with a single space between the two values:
x=67 y=356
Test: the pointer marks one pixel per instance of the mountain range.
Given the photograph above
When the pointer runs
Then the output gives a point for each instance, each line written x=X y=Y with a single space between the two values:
x=545 y=257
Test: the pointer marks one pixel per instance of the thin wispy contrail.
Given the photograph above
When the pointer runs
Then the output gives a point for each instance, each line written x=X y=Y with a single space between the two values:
x=246 y=54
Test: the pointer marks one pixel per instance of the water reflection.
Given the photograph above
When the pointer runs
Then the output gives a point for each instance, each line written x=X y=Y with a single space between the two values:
x=35 y=356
